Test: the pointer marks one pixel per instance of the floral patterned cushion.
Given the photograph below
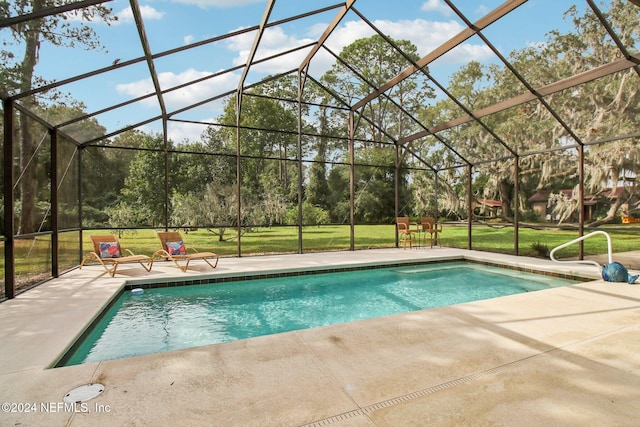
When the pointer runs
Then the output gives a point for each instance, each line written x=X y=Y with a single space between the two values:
x=176 y=248
x=109 y=249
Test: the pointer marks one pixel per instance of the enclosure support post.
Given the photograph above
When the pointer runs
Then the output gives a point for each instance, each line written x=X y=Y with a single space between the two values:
x=80 y=203
x=238 y=173
x=239 y=94
x=396 y=186
x=581 y=200
x=300 y=198
x=435 y=202
x=516 y=210
x=352 y=179
x=469 y=207
x=53 y=165
x=9 y=249
x=167 y=171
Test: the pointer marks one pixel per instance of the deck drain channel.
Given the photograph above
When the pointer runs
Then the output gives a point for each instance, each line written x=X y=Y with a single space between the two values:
x=420 y=393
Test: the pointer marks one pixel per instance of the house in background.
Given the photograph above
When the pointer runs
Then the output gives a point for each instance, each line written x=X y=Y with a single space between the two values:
x=487 y=208
x=539 y=203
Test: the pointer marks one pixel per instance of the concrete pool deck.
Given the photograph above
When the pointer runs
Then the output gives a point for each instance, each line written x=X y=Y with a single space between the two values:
x=567 y=356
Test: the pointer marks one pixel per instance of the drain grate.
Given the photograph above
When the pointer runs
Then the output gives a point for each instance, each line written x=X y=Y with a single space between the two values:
x=83 y=393
x=417 y=394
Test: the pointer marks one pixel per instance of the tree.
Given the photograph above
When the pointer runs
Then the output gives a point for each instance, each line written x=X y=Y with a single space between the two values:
x=215 y=208
x=599 y=109
x=317 y=191
x=328 y=145
x=268 y=143
x=374 y=187
x=107 y=163
x=143 y=194
x=18 y=75
x=311 y=215
x=377 y=64
x=387 y=118
x=606 y=107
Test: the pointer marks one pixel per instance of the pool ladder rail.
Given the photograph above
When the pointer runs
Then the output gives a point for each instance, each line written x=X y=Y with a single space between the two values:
x=584 y=261
x=611 y=271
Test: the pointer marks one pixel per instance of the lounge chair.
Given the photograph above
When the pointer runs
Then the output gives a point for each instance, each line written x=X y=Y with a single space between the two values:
x=430 y=228
x=173 y=249
x=107 y=251
x=405 y=233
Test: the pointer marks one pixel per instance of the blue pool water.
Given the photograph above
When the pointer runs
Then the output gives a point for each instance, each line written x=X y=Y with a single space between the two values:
x=172 y=318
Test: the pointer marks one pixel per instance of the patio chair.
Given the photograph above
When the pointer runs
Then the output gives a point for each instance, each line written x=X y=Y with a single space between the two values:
x=430 y=228
x=405 y=233
x=173 y=249
x=108 y=252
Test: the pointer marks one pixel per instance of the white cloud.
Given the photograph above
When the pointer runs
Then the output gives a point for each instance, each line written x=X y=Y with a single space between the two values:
x=181 y=131
x=426 y=35
x=186 y=96
x=482 y=10
x=468 y=52
x=274 y=41
x=436 y=6
x=347 y=34
x=188 y=39
x=148 y=13
x=272 y=38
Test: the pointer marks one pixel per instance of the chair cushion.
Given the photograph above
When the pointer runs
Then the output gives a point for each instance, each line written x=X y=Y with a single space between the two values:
x=176 y=248
x=109 y=249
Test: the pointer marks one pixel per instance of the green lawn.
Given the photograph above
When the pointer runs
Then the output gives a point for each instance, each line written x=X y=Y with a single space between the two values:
x=33 y=255
x=336 y=237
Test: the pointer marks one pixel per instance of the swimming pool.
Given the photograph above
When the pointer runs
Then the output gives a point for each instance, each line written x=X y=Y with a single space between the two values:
x=171 y=318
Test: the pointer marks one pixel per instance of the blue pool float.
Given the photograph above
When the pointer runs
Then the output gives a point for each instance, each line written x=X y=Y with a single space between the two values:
x=137 y=291
x=616 y=272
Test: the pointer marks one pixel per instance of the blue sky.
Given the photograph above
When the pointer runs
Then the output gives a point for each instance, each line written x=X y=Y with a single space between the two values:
x=172 y=24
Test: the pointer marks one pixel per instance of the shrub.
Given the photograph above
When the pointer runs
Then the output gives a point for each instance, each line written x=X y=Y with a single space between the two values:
x=311 y=215
x=540 y=249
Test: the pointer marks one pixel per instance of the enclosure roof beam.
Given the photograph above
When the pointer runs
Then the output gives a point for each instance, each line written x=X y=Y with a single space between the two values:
x=612 y=34
x=144 y=41
x=122 y=64
x=327 y=32
x=578 y=79
x=310 y=104
x=519 y=76
x=214 y=98
x=331 y=92
x=228 y=93
x=361 y=77
x=409 y=59
x=256 y=42
x=456 y=40
x=420 y=159
x=347 y=107
x=36 y=118
x=180 y=86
